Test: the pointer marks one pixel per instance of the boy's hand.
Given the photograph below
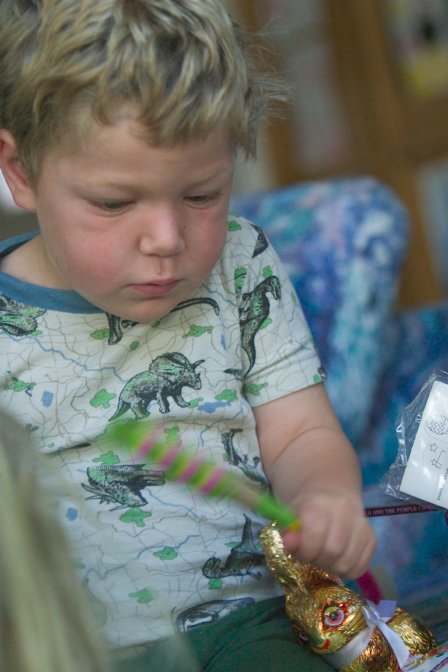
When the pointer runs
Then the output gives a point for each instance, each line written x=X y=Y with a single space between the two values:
x=334 y=535
x=313 y=468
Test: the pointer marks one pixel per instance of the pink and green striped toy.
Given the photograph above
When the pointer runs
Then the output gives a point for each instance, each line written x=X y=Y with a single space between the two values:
x=202 y=475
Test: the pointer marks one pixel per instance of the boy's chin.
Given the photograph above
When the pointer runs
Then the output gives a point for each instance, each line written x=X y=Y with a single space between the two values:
x=149 y=311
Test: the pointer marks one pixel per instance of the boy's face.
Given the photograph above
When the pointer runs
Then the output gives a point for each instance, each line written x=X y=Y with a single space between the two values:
x=133 y=228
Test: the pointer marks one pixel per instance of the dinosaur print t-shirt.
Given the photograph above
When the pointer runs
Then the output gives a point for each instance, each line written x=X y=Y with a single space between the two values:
x=151 y=551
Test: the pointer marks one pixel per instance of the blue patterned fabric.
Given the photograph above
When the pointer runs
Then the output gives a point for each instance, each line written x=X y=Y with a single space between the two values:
x=343 y=242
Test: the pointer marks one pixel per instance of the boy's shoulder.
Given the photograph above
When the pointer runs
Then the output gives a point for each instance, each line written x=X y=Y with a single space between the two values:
x=244 y=236
x=237 y=223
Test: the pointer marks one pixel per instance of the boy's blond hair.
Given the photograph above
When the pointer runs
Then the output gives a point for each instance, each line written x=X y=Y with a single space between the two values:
x=183 y=65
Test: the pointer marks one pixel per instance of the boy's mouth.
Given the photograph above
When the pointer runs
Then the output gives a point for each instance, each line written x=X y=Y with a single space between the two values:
x=157 y=288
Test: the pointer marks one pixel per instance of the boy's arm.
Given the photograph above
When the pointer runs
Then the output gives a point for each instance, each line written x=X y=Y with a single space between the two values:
x=312 y=467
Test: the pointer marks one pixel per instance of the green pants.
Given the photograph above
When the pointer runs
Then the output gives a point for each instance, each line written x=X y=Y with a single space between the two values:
x=258 y=638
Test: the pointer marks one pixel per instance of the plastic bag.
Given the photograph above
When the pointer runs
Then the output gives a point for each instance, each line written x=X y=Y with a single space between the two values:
x=420 y=469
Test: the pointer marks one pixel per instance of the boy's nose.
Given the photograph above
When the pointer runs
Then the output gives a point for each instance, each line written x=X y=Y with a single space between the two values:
x=161 y=232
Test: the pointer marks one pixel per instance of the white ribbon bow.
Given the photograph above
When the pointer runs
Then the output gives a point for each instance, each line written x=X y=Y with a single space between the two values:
x=376 y=615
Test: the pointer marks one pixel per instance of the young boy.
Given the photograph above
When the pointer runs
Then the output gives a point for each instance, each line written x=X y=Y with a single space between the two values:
x=140 y=298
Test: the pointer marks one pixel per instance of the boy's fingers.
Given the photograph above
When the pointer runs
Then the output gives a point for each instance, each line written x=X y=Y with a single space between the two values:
x=291 y=540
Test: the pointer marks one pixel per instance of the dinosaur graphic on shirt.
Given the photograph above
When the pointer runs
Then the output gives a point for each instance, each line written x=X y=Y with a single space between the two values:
x=17 y=318
x=242 y=558
x=253 y=312
x=118 y=325
x=121 y=484
x=241 y=461
x=262 y=242
x=196 y=301
x=166 y=376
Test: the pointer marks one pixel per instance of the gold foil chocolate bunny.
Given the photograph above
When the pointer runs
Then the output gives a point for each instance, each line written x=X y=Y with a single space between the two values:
x=352 y=633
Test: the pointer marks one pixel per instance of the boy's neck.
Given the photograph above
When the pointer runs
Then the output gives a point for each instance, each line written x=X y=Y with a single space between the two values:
x=27 y=263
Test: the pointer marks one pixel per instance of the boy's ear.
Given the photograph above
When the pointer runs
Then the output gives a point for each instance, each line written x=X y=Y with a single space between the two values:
x=14 y=173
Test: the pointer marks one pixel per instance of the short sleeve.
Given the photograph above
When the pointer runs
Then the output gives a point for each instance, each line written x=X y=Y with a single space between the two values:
x=278 y=352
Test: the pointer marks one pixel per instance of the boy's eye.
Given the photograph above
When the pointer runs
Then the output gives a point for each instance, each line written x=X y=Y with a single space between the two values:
x=111 y=206
x=203 y=199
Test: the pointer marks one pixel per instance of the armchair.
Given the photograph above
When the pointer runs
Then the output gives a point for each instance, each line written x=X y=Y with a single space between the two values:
x=343 y=243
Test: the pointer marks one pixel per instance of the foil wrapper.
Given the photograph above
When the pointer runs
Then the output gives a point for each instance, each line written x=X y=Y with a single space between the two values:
x=334 y=621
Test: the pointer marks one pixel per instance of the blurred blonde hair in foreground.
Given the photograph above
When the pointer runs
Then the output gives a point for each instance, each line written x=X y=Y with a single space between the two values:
x=45 y=620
